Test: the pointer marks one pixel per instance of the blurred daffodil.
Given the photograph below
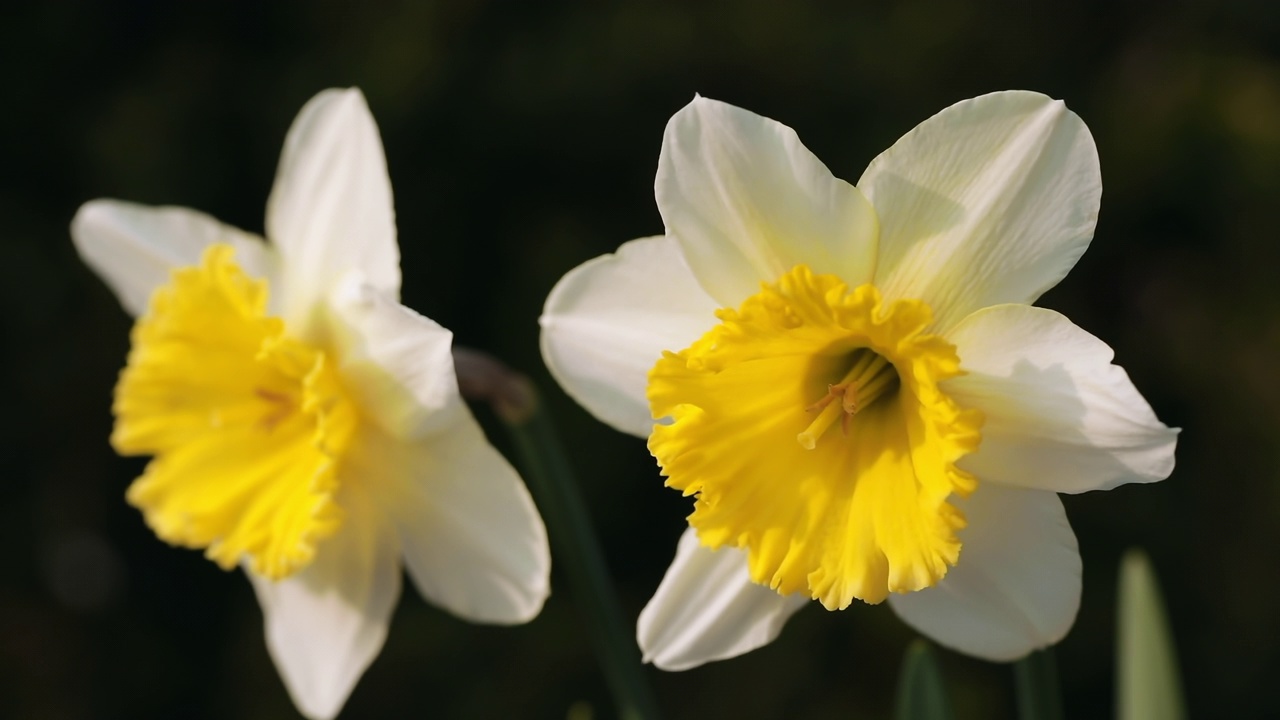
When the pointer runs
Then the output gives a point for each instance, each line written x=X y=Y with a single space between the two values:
x=851 y=379
x=304 y=424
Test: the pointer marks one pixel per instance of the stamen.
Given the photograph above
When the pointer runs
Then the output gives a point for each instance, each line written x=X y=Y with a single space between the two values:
x=271 y=396
x=833 y=391
x=870 y=377
x=871 y=389
x=283 y=408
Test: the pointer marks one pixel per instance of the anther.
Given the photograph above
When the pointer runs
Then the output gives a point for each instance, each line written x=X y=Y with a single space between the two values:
x=870 y=377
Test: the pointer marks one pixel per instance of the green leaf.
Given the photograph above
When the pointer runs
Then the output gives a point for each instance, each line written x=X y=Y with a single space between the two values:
x=1147 y=681
x=921 y=695
x=1035 y=679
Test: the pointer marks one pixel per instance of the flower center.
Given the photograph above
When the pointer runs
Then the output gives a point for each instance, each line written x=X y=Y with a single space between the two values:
x=754 y=405
x=870 y=377
x=247 y=426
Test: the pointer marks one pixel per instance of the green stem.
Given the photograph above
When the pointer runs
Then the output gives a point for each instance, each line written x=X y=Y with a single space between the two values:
x=573 y=540
x=1036 y=679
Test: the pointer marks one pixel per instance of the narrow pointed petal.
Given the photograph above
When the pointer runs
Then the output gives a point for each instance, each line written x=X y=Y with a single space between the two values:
x=472 y=538
x=748 y=202
x=608 y=321
x=1059 y=415
x=133 y=247
x=1016 y=587
x=396 y=363
x=330 y=209
x=327 y=623
x=706 y=608
x=990 y=201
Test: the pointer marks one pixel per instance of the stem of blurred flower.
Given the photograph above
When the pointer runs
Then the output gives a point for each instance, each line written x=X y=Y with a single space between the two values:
x=1036 y=679
x=546 y=469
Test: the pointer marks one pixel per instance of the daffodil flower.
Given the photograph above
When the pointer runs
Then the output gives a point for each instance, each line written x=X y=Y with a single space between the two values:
x=304 y=425
x=852 y=381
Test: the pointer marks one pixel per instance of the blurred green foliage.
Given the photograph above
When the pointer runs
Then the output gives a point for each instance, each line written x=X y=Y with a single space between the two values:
x=1148 y=684
x=522 y=140
x=922 y=691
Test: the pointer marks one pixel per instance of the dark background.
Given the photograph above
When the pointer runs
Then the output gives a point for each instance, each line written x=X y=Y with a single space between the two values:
x=522 y=139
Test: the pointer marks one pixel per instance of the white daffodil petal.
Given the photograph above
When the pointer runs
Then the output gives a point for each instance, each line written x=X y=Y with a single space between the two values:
x=1016 y=587
x=1059 y=415
x=327 y=623
x=706 y=608
x=608 y=321
x=473 y=541
x=396 y=363
x=330 y=210
x=748 y=202
x=134 y=247
x=990 y=201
